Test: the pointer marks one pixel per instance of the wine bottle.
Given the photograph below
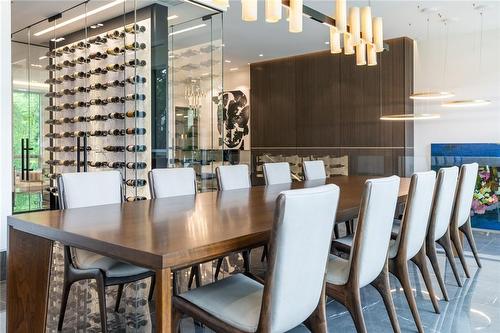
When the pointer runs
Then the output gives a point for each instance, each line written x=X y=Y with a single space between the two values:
x=115 y=34
x=138 y=131
x=51 y=189
x=113 y=51
x=135 y=63
x=53 y=135
x=114 y=99
x=98 y=117
x=136 y=182
x=98 y=164
x=96 y=101
x=52 y=175
x=81 y=75
x=116 y=149
x=53 y=122
x=53 y=67
x=68 y=106
x=116 y=165
x=136 y=165
x=136 y=79
x=136 y=114
x=55 y=149
x=136 y=198
x=116 y=132
x=82 y=45
x=68 y=49
x=115 y=83
x=67 y=63
x=79 y=134
x=82 y=89
x=98 y=40
x=69 y=92
x=61 y=162
x=67 y=77
x=68 y=134
x=116 y=115
x=135 y=46
x=82 y=60
x=53 y=54
x=98 y=56
x=113 y=67
x=134 y=28
x=54 y=108
x=98 y=86
x=54 y=81
x=95 y=71
x=54 y=94
x=133 y=97
x=136 y=148
x=98 y=133
x=81 y=104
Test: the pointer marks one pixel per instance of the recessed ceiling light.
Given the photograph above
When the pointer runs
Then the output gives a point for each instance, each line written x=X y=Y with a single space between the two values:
x=227 y=61
x=172 y=17
x=187 y=29
x=466 y=103
x=205 y=74
x=80 y=17
x=36 y=65
x=57 y=40
x=178 y=114
x=233 y=69
x=95 y=26
x=42 y=57
x=261 y=55
x=410 y=116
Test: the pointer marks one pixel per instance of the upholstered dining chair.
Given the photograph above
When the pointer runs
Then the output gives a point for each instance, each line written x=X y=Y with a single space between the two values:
x=233 y=177
x=173 y=182
x=303 y=219
x=367 y=263
x=439 y=231
x=84 y=189
x=277 y=173
x=460 y=218
x=315 y=170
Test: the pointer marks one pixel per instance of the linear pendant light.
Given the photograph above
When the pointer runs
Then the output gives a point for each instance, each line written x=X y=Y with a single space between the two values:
x=295 y=16
x=371 y=54
x=335 y=47
x=249 y=10
x=273 y=11
x=366 y=24
x=222 y=3
x=361 y=54
x=354 y=25
x=378 y=34
x=348 y=46
x=341 y=15
x=410 y=116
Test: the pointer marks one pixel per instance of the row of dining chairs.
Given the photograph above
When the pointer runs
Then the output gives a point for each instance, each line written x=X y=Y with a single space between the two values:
x=239 y=302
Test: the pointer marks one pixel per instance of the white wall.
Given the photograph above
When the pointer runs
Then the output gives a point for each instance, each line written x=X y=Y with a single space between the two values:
x=5 y=123
x=466 y=80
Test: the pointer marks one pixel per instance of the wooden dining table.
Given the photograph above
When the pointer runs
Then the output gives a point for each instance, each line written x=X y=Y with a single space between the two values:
x=161 y=234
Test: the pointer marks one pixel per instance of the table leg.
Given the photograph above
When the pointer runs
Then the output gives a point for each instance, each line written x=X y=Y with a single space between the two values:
x=28 y=275
x=164 y=292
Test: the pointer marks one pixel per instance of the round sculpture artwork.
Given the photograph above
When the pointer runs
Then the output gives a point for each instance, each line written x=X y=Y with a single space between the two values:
x=233 y=123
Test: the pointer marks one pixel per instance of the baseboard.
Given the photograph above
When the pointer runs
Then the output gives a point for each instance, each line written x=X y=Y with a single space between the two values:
x=3 y=265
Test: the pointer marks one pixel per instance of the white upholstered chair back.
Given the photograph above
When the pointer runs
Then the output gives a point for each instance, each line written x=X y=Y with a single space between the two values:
x=300 y=244
x=314 y=170
x=277 y=173
x=444 y=198
x=465 y=190
x=85 y=189
x=172 y=182
x=417 y=212
x=374 y=227
x=233 y=177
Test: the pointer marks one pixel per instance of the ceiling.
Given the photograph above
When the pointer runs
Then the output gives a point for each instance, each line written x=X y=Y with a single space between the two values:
x=245 y=41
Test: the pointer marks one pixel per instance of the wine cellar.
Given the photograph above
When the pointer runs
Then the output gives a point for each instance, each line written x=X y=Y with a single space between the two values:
x=99 y=106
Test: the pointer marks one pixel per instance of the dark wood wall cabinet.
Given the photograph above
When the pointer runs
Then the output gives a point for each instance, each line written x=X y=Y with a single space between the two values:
x=321 y=104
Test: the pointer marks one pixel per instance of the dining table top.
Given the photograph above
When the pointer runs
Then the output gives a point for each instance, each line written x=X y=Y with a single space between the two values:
x=176 y=232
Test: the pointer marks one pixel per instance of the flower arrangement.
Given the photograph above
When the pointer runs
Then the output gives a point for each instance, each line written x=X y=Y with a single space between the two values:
x=487 y=190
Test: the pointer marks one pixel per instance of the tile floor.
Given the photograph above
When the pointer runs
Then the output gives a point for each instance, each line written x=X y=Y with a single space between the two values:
x=475 y=307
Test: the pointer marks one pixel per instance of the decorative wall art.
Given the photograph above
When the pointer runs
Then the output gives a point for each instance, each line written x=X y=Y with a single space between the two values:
x=485 y=206
x=234 y=120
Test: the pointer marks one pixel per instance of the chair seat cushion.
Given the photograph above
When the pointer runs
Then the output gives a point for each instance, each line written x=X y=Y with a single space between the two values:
x=337 y=270
x=112 y=268
x=235 y=300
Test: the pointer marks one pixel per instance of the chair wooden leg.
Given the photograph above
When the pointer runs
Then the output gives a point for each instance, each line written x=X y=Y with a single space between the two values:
x=432 y=255
x=64 y=303
x=419 y=260
x=348 y=227
x=445 y=243
x=381 y=283
x=217 y=268
x=192 y=273
x=101 y=293
x=264 y=254
x=455 y=238
x=353 y=304
x=400 y=270
x=336 y=231
x=152 y=288
x=467 y=230
x=246 y=260
x=176 y=320
x=118 y=297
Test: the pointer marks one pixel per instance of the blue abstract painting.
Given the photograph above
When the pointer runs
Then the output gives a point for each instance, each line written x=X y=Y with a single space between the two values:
x=485 y=206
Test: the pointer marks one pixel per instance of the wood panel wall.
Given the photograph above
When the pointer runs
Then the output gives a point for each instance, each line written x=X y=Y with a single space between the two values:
x=321 y=103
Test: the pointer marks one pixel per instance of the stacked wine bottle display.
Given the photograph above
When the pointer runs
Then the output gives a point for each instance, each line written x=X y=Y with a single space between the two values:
x=98 y=115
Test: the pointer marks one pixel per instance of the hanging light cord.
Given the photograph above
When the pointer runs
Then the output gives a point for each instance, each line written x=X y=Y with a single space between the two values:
x=481 y=45
x=445 y=62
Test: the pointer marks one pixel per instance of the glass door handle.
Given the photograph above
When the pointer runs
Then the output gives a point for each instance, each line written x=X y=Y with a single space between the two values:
x=25 y=159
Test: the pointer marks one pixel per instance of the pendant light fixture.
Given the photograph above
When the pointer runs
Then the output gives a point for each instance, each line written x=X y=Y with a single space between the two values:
x=348 y=45
x=371 y=55
x=354 y=25
x=478 y=101
x=273 y=11
x=249 y=10
x=361 y=54
x=378 y=34
x=335 y=47
x=295 y=16
x=222 y=3
x=366 y=24
x=435 y=95
x=341 y=15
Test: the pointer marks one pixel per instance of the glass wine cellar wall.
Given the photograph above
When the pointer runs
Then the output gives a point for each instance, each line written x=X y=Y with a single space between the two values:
x=116 y=85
